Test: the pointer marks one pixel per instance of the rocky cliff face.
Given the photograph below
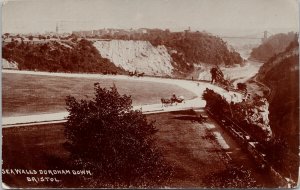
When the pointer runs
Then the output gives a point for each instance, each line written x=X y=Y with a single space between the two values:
x=281 y=75
x=259 y=116
x=138 y=56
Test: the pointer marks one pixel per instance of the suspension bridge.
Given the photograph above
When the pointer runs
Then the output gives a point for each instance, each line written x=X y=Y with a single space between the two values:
x=261 y=35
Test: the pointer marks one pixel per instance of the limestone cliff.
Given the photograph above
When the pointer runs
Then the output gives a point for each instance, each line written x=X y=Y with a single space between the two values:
x=141 y=56
x=9 y=65
x=258 y=115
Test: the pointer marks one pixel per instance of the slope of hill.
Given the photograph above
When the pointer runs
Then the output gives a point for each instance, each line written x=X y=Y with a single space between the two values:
x=58 y=56
x=281 y=74
x=272 y=46
x=138 y=56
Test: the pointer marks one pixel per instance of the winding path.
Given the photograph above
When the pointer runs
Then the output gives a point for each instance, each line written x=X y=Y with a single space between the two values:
x=193 y=86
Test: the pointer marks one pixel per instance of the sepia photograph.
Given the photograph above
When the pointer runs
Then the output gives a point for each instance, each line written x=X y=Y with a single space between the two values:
x=149 y=94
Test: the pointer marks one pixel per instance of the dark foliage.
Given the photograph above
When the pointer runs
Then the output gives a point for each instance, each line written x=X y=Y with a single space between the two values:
x=67 y=56
x=106 y=136
x=215 y=102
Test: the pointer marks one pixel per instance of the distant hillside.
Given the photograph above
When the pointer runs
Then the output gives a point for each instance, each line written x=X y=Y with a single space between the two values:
x=272 y=46
x=190 y=47
x=186 y=49
x=58 y=56
x=156 y=52
x=281 y=74
x=278 y=60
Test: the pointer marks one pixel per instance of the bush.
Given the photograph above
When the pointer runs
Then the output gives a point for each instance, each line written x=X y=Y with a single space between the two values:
x=215 y=102
x=242 y=86
x=106 y=136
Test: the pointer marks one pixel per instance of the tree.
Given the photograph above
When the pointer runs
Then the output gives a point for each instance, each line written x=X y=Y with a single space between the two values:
x=30 y=37
x=116 y=143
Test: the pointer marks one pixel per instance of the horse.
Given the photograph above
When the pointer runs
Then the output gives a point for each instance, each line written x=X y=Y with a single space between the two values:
x=165 y=102
x=131 y=74
x=140 y=74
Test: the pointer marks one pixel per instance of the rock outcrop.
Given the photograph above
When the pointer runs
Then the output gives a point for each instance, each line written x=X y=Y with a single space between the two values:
x=140 y=56
x=9 y=65
x=259 y=116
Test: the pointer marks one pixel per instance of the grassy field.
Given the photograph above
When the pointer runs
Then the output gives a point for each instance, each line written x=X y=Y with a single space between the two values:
x=28 y=94
x=189 y=147
x=186 y=146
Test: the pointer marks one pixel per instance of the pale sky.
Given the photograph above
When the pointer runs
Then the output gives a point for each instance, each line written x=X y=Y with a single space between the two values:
x=24 y=16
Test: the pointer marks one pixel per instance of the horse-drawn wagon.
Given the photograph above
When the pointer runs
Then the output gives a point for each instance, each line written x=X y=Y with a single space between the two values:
x=174 y=99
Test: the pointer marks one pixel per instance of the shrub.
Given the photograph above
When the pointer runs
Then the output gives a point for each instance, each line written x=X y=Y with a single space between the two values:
x=106 y=136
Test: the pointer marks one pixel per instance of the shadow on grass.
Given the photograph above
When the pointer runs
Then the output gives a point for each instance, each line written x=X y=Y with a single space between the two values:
x=183 y=112
x=232 y=177
x=192 y=119
x=56 y=163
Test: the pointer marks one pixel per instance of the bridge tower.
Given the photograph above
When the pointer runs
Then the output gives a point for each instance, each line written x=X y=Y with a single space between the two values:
x=265 y=36
x=56 y=29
